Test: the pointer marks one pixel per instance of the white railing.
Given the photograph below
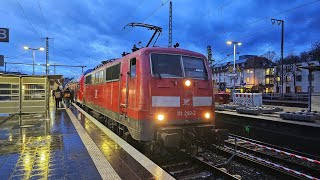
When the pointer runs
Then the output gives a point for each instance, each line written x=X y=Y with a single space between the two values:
x=286 y=96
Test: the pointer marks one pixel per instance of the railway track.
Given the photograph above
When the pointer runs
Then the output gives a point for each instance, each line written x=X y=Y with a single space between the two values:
x=211 y=165
x=244 y=164
x=293 y=163
x=250 y=160
x=184 y=166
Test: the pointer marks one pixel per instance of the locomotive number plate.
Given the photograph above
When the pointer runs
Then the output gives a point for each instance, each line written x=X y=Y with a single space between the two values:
x=186 y=113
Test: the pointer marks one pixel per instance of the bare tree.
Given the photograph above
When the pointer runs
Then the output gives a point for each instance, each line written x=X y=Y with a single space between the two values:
x=305 y=57
x=271 y=55
x=315 y=52
x=291 y=62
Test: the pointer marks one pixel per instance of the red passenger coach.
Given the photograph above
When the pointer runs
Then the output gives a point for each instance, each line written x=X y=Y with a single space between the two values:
x=77 y=88
x=80 y=91
x=154 y=95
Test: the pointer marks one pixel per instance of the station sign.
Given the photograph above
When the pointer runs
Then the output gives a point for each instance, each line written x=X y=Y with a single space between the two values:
x=4 y=35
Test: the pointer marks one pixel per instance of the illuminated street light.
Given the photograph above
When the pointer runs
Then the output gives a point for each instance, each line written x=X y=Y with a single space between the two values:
x=234 y=62
x=33 y=54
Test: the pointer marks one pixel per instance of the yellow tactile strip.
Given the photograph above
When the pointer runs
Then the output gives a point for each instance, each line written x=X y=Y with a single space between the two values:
x=103 y=166
x=153 y=168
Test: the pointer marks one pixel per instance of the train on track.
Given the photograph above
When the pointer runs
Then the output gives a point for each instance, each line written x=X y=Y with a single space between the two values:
x=158 y=96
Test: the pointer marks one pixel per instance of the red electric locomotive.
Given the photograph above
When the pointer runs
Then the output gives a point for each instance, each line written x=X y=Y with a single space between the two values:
x=155 y=95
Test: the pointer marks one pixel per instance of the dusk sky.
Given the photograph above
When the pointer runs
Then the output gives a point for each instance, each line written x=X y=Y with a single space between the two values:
x=86 y=32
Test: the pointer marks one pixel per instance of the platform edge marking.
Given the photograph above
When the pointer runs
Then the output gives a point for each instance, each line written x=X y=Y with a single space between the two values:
x=152 y=167
x=103 y=166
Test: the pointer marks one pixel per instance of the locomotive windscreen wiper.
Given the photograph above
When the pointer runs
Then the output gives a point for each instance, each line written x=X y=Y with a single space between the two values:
x=159 y=75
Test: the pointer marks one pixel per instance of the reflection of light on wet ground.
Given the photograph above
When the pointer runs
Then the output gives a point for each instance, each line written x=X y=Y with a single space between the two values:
x=26 y=162
x=106 y=149
x=43 y=156
x=120 y=159
x=26 y=126
x=49 y=149
x=79 y=116
x=27 y=137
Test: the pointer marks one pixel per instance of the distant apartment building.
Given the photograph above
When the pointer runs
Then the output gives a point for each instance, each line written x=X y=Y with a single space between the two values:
x=252 y=73
x=296 y=78
x=256 y=73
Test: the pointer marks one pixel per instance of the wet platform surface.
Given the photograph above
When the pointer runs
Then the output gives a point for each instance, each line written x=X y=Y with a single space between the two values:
x=43 y=147
x=122 y=162
x=40 y=146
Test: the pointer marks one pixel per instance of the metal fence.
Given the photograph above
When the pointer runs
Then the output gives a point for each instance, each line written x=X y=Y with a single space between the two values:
x=9 y=95
x=286 y=96
x=23 y=94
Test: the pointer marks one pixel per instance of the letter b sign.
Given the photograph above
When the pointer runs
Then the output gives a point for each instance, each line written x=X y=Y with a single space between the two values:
x=4 y=35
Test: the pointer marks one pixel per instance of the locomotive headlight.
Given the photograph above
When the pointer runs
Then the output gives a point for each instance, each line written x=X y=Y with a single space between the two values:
x=207 y=115
x=187 y=82
x=160 y=117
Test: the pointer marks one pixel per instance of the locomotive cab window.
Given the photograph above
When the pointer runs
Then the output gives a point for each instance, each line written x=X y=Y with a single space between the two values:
x=194 y=67
x=133 y=69
x=166 y=66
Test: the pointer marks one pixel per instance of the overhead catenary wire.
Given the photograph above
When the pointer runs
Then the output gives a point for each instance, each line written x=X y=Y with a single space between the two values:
x=65 y=54
x=24 y=14
x=17 y=56
x=141 y=2
x=277 y=14
x=155 y=10
x=297 y=7
x=44 y=20
x=226 y=4
x=247 y=35
x=162 y=4
x=244 y=37
x=287 y=47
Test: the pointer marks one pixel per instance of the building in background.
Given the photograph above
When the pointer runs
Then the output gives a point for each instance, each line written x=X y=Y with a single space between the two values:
x=254 y=73
x=296 y=78
x=258 y=74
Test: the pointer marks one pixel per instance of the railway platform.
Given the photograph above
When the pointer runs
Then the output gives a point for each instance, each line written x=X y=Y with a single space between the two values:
x=67 y=144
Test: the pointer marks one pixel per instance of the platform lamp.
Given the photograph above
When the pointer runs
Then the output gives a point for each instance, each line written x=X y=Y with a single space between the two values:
x=234 y=63
x=33 y=54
